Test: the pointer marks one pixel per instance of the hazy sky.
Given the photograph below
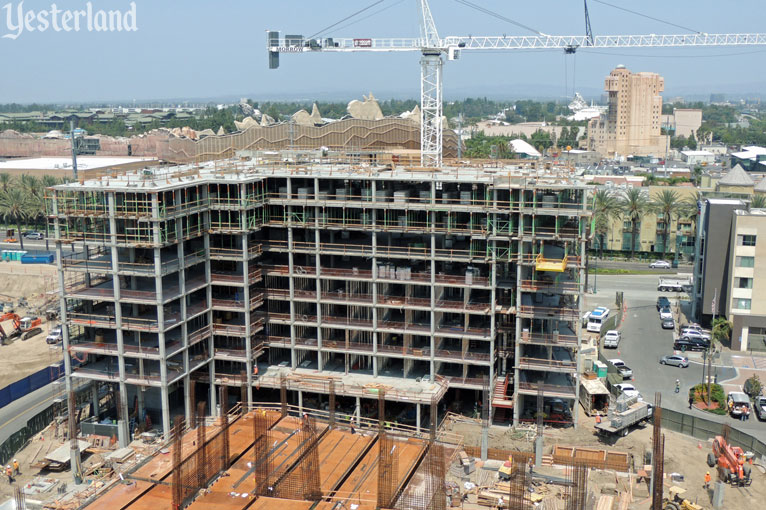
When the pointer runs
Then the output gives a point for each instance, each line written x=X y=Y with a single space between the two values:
x=216 y=49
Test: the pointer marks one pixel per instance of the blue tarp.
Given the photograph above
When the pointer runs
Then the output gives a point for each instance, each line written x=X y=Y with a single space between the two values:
x=40 y=258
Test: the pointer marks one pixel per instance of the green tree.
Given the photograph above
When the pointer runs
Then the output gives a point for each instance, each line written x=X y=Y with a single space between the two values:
x=634 y=205
x=666 y=203
x=691 y=142
x=606 y=208
x=14 y=207
x=721 y=329
x=758 y=202
x=5 y=181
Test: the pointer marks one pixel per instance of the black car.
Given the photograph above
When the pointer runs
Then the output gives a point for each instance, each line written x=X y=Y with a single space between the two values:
x=683 y=344
x=662 y=302
x=668 y=324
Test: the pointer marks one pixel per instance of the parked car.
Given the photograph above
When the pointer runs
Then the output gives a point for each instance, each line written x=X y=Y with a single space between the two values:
x=760 y=407
x=662 y=302
x=682 y=344
x=674 y=360
x=737 y=402
x=612 y=339
x=624 y=369
x=693 y=335
x=665 y=313
x=34 y=235
x=694 y=332
x=660 y=264
x=668 y=324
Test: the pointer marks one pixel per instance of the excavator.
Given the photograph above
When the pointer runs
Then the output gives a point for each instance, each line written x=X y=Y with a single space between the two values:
x=732 y=466
x=26 y=327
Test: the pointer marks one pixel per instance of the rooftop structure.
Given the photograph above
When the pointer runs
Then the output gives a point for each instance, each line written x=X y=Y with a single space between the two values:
x=312 y=269
x=87 y=166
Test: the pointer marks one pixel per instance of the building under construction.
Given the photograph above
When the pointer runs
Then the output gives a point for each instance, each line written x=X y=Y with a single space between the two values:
x=300 y=271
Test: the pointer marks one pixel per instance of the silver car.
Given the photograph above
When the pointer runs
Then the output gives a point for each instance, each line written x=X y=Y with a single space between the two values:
x=675 y=360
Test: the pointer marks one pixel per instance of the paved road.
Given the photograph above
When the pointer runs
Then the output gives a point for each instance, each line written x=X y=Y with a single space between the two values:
x=644 y=342
x=639 y=265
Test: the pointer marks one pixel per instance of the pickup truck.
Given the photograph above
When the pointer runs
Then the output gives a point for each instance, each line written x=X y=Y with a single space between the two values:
x=737 y=402
x=624 y=369
x=624 y=412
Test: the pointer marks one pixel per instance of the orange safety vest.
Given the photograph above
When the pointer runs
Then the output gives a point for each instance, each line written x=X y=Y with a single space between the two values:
x=707 y=478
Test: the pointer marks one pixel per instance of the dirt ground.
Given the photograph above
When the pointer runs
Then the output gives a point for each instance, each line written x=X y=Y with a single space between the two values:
x=35 y=283
x=683 y=454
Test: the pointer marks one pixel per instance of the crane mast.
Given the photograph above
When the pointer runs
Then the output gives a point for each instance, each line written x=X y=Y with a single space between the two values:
x=433 y=49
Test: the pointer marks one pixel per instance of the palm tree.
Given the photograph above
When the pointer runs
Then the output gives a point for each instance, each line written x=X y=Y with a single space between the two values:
x=666 y=203
x=5 y=181
x=606 y=208
x=758 y=202
x=14 y=206
x=634 y=205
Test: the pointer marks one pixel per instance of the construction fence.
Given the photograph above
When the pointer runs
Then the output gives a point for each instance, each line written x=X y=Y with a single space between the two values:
x=704 y=429
x=30 y=383
x=18 y=439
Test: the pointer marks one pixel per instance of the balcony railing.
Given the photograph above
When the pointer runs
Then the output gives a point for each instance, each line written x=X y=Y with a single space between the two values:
x=256 y=325
x=256 y=300
x=253 y=250
x=366 y=274
x=365 y=250
x=568 y=390
x=548 y=339
x=525 y=363
x=366 y=299
x=224 y=278
x=452 y=331
x=549 y=286
x=559 y=312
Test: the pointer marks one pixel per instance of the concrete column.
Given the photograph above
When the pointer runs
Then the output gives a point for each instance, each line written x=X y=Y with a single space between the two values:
x=318 y=270
x=248 y=313
x=418 y=417
x=374 y=262
x=164 y=392
x=117 y=308
x=291 y=277
x=358 y=410
x=300 y=402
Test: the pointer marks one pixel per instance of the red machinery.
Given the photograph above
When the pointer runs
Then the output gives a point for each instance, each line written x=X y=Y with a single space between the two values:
x=731 y=462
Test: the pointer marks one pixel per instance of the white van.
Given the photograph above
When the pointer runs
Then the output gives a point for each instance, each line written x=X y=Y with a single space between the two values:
x=597 y=318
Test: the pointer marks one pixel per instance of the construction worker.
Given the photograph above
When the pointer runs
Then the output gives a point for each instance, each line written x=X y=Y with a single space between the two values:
x=16 y=470
x=691 y=401
x=678 y=385
x=707 y=480
x=9 y=473
x=598 y=418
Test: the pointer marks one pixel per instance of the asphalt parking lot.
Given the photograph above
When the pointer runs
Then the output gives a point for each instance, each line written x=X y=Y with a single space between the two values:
x=644 y=342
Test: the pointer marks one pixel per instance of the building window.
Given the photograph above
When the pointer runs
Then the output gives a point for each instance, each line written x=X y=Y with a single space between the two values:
x=743 y=283
x=745 y=240
x=745 y=261
x=742 y=304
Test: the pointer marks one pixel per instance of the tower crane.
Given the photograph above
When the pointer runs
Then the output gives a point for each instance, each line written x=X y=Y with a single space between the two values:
x=434 y=49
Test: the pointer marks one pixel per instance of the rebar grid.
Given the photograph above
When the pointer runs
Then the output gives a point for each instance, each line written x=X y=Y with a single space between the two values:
x=658 y=454
x=283 y=394
x=261 y=459
x=332 y=403
x=177 y=445
x=300 y=480
x=20 y=498
x=578 y=490
x=201 y=447
x=388 y=467
x=518 y=483
x=223 y=398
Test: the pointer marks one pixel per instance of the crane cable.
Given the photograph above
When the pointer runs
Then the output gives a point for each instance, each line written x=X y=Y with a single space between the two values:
x=498 y=16
x=647 y=16
x=365 y=17
x=360 y=11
